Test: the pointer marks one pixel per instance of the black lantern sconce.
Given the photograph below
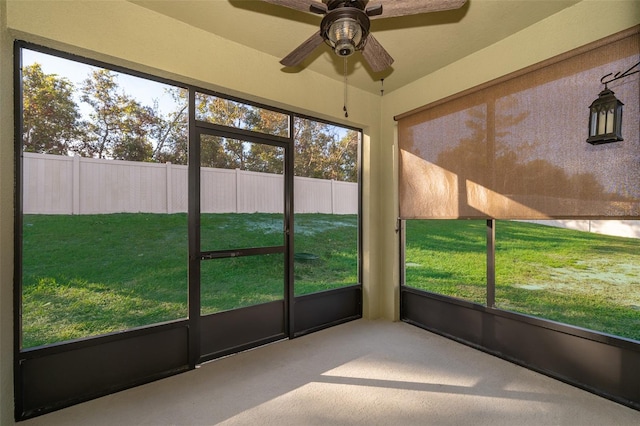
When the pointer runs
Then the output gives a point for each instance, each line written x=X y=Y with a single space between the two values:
x=605 y=113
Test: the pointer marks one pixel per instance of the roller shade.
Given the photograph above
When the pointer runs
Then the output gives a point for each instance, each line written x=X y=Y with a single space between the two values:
x=515 y=148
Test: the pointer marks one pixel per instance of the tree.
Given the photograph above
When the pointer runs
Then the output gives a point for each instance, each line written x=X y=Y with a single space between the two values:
x=216 y=151
x=321 y=150
x=231 y=153
x=120 y=127
x=266 y=158
x=267 y=121
x=324 y=152
x=170 y=134
x=342 y=159
x=51 y=120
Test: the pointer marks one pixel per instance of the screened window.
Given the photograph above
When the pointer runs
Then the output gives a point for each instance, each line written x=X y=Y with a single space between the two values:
x=326 y=206
x=104 y=191
x=150 y=240
x=563 y=272
x=447 y=257
x=563 y=215
x=104 y=184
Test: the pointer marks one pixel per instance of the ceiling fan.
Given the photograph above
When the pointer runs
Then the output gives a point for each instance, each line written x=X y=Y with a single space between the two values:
x=346 y=23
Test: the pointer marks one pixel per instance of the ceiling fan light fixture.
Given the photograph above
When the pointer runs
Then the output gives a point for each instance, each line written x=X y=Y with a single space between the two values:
x=345 y=30
x=345 y=36
x=346 y=23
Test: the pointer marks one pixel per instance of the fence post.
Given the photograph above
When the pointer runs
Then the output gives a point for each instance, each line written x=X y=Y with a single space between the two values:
x=75 y=185
x=333 y=195
x=237 y=190
x=169 y=188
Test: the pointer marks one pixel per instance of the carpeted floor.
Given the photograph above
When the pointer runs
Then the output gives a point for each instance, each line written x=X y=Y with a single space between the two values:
x=359 y=373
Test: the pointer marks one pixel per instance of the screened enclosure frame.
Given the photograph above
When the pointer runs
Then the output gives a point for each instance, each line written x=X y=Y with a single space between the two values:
x=51 y=377
x=575 y=355
x=595 y=361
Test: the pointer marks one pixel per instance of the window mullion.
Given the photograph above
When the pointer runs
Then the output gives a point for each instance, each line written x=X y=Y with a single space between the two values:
x=491 y=263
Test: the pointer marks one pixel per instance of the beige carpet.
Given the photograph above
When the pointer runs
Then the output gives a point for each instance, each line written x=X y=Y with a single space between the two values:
x=359 y=373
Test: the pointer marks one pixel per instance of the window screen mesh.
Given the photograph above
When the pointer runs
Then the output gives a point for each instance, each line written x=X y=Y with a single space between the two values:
x=516 y=148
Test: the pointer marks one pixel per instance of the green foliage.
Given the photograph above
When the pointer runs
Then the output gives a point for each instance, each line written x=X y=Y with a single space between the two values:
x=119 y=126
x=241 y=116
x=169 y=135
x=579 y=278
x=225 y=153
x=322 y=150
x=324 y=153
x=51 y=120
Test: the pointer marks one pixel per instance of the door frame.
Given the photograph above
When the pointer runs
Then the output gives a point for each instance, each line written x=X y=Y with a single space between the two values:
x=205 y=343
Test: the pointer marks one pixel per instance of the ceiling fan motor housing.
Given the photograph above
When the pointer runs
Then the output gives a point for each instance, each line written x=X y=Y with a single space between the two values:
x=345 y=29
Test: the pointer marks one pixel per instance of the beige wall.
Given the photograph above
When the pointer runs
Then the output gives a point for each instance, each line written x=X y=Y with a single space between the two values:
x=124 y=34
x=6 y=224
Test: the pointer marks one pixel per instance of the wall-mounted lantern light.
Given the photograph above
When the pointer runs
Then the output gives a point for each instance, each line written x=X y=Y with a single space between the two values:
x=605 y=119
x=605 y=113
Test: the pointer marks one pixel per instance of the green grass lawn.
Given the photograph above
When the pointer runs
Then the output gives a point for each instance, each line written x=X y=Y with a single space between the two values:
x=584 y=279
x=92 y=274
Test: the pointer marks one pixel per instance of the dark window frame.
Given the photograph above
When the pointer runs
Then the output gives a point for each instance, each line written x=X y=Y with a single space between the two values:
x=537 y=343
x=158 y=335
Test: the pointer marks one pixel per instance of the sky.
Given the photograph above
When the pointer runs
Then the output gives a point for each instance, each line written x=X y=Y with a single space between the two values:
x=143 y=90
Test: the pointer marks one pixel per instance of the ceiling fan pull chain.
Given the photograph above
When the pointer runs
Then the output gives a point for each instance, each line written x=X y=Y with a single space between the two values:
x=344 y=108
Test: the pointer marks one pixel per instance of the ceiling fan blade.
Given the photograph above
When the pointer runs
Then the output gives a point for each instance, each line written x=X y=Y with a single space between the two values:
x=299 y=53
x=302 y=5
x=375 y=55
x=413 y=7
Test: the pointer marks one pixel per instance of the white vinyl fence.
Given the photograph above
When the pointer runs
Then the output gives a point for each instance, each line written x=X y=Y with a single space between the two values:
x=55 y=184
x=619 y=228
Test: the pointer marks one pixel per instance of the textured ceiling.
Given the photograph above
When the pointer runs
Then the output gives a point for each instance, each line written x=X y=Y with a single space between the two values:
x=420 y=44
